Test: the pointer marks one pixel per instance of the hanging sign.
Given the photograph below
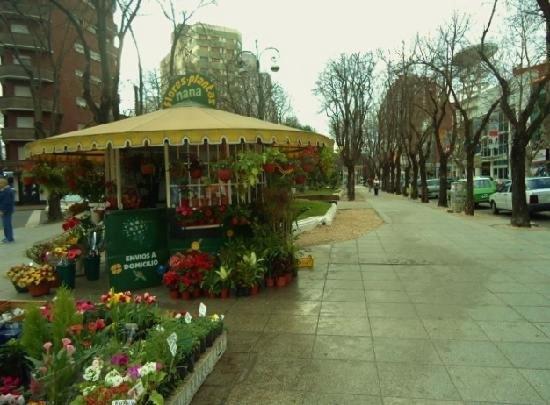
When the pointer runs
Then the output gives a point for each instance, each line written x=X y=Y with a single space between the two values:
x=193 y=87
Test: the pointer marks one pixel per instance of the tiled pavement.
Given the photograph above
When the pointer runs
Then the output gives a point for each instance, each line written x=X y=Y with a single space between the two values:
x=431 y=308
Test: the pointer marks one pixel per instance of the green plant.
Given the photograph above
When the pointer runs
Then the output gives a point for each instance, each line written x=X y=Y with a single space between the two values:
x=224 y=278
x=64 y=316
x=273 y=155
x=35 y=332
x=248 y=167
x=210 y=282
x=249 y=270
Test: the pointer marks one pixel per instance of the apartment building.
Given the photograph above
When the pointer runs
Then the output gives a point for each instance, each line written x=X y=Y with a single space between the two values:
x=204 y=49
x=41 y=68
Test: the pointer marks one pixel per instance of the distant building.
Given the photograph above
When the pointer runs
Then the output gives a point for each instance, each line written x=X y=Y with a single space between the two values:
x=204 y=49
x=41 y=68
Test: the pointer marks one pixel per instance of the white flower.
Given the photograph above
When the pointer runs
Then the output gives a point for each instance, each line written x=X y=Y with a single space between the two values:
x=97 y=362
x=86 y=391
x=147 y=368
x=92 y=373
x=113 y=379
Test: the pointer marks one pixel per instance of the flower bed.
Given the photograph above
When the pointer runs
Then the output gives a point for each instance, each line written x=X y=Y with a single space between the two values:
x=120 y=348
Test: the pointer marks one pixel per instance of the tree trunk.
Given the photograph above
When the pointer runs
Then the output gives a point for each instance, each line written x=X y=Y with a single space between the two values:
x=442 y=198
x=397 y=189
x=407 y=180
x=385 y=177
x=54 y=207
x=423 y=184
x=392 y=178
x=414 y=180
x=520 y=212
x=351 y=182
x=469 y=203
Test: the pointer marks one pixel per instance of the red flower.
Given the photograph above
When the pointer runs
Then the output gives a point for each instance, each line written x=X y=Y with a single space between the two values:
x=70 y=223
x=170 y=279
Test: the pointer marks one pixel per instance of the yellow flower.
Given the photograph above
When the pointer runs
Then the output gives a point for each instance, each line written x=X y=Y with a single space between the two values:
x=195 y=245
x=230 y=233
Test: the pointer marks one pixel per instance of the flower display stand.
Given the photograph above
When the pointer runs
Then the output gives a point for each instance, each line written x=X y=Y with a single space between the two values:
x=184 y=393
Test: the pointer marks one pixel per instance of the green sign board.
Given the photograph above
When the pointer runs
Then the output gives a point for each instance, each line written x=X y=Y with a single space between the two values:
x=192 y=87
x=136 y=244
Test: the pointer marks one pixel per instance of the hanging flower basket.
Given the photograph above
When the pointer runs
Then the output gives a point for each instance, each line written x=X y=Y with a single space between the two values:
x=308 y=167
x=300 y=179
x=270 y=168
x=224 y=174
x=148 y=169
x=196 y=173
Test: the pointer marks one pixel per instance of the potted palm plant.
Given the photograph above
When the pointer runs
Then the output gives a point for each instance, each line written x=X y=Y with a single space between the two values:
x=224 y=281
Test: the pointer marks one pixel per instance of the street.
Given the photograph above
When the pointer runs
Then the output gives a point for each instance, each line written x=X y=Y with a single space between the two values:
x=20 y=218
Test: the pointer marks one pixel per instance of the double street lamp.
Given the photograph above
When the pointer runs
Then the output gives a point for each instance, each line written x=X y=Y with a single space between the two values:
x=274 y=68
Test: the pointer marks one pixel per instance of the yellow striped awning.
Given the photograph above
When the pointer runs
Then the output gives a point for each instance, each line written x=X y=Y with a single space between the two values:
x=177 y=125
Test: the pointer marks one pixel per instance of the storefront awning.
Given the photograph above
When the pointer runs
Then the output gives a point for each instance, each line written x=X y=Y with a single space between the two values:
x=177 y=125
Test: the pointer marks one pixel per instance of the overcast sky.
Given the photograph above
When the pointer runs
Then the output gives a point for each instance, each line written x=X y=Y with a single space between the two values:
x=307 y=33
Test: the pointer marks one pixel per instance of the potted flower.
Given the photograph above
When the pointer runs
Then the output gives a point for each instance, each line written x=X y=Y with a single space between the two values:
x=224 y=281
x=35 y=278
x=248 y=272
x=195 y=169
x=65 y=257
x=272 y=158
x=224 y=170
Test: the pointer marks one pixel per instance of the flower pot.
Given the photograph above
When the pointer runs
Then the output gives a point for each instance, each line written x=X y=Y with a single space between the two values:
x=91 y=268
x=269 y=282
x=185 y=295
x=281 y=281
x=67 y=272
x=288 y=278
x=210 y=294
x=254 y=289
x=300 y=179
x=28 y=181
x=20 y=289
x=39 y=290
x=148 y=169
x=195 y=173
x=174 y=294
x=308 y=167
x=269 y=167
x=57 y=282
x=224 y=174
x=224 y=293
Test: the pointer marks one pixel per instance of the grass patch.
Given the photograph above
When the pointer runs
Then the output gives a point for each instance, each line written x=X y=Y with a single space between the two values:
x=318 y=191
x=310 y=208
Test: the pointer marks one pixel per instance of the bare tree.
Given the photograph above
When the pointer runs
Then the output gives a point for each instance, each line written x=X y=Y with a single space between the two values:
x=345 y=88
x=521 y=93
x=107 y=109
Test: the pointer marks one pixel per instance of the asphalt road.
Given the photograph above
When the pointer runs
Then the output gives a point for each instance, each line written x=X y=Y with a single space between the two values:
x=20 y=218
x=540 y=219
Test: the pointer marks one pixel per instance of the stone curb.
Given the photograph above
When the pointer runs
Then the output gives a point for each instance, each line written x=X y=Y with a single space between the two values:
x=307 y=224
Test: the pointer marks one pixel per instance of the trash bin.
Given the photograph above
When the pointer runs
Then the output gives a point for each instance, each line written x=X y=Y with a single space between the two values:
x=458 y=196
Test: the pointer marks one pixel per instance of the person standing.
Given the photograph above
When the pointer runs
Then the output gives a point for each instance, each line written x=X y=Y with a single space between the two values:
x=7 y=206
x=376 y=185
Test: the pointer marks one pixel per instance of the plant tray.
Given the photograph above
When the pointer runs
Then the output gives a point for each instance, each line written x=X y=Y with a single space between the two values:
x=305 y=262
x=184 y=393
x=23 y=304
x=201 y=227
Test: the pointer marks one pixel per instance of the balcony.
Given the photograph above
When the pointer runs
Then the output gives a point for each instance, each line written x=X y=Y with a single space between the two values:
x=25 y=8
x=18 y=134
x=18 y=72
x=17 y=103
x=22 y=41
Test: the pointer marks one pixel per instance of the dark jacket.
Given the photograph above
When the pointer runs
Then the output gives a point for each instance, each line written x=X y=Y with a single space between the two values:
x=7 y=200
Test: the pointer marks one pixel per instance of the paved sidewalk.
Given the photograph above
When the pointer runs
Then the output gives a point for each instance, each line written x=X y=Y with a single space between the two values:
x=429 y=307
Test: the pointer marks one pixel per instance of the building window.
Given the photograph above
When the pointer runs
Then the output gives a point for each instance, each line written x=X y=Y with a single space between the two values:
x=23 y=60
x=81 y=102
x=95 y=79
x=92 y=29
x=78 y=47
x=24 y=122
x=95 y=56
x=19 y=29
x=22 y=91
x=78 y=73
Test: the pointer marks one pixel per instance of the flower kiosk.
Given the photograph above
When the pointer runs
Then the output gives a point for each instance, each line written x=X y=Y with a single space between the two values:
x=185 y=173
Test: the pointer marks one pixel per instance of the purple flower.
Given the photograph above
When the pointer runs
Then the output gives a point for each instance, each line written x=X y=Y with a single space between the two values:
x=119 y=359
x=133 y=372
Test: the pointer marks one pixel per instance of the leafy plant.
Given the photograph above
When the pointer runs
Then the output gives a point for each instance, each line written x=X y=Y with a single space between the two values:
x=248 y=167
x=35 y=332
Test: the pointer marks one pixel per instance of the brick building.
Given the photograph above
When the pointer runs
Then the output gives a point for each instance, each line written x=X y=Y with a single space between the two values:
x=41 y=68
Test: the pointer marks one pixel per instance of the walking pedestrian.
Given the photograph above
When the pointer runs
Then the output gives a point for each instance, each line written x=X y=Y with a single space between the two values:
x=7 y=206
x=376 y=185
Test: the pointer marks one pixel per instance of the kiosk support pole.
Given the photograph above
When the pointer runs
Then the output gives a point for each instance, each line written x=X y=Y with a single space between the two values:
x=118 y=179
x=167 y=174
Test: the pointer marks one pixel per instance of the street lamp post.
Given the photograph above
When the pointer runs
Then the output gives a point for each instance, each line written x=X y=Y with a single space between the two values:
x=274 y=68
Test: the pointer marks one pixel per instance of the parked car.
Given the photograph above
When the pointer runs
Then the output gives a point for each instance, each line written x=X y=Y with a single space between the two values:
x=483 y=188
x=433 y=188
x=537 y=195
x=70 y=199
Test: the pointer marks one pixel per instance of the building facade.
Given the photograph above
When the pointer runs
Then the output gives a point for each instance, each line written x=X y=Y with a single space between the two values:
x=41 y=71
x=203 y=49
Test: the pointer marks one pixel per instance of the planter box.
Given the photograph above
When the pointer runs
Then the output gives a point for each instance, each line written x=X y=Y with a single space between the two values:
x=184 y=393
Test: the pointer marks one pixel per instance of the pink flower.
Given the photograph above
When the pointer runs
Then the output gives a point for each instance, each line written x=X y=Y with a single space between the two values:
x=66 y=342
x=47 y=346
x=138 y=299
x=70 y=349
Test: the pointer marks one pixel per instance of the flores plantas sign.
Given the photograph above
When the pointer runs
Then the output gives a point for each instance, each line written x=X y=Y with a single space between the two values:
x=136 y=243
x=193 y=87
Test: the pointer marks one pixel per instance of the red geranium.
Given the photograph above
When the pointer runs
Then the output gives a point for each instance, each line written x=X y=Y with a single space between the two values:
x=70 y=223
